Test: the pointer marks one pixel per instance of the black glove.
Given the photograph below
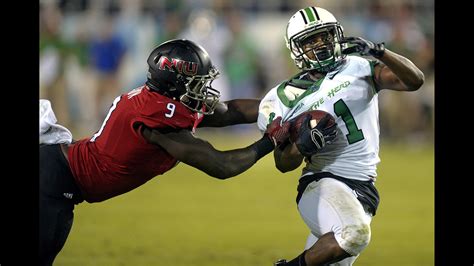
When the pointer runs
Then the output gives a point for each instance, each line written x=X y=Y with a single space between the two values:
x=311 y=140
x=364 y=47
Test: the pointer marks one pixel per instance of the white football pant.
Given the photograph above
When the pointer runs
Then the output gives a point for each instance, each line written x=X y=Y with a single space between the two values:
x=329 y=205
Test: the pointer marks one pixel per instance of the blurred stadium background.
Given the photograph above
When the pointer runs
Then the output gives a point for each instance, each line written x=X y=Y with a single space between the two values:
x=93 y=50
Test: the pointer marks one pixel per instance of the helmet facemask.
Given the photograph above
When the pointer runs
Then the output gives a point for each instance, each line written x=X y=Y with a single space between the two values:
x=318 y=47
x=200 y=97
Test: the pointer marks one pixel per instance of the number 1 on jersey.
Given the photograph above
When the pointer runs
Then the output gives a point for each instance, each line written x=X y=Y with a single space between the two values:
x=355 y=134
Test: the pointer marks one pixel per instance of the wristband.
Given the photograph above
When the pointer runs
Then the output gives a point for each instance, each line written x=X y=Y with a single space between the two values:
x=263 y=146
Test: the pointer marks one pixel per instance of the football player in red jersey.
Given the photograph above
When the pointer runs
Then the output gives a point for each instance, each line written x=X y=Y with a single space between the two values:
x=146 y=133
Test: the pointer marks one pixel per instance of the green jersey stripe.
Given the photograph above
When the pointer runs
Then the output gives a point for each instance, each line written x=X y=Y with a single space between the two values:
x=309 y=90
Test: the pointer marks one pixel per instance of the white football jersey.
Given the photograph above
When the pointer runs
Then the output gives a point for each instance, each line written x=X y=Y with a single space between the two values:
x=349 y=94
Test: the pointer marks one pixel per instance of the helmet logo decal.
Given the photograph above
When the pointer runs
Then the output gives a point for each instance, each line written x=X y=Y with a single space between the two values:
x=182 y=67
x=190 y=68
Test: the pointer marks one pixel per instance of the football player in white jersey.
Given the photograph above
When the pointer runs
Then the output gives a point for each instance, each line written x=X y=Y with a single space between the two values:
x=342 y=76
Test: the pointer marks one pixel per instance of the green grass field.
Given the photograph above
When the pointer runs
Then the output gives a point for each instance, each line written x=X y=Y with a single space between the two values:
x=186 y=218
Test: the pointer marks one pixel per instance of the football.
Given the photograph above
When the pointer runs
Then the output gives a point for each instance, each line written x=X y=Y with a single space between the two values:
x=316 y=115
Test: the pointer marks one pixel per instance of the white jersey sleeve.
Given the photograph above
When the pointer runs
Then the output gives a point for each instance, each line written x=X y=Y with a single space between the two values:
x=268 y=110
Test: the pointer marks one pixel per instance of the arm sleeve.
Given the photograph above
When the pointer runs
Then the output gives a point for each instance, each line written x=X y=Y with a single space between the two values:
x=268 y=110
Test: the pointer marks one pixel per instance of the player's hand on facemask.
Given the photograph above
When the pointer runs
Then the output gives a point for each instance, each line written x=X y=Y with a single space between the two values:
x=311 y=140
x=364 y=47
x=277 y=131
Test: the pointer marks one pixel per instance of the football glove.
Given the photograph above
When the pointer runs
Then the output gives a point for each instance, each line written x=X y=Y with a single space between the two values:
x=311 y=140
x=364 y=47
x=278 y=132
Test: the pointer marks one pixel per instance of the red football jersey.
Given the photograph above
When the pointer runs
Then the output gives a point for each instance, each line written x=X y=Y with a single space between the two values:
x=117 y=158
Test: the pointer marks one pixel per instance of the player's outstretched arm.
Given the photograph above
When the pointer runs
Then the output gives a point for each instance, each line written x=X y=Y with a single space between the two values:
x=287 y=157
x=232 y=112
x=220 y=164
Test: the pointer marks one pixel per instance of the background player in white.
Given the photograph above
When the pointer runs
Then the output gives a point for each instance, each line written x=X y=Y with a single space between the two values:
x=336 y=194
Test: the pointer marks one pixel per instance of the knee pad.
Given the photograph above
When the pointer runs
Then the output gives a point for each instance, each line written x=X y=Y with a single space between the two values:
x=354 y=238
